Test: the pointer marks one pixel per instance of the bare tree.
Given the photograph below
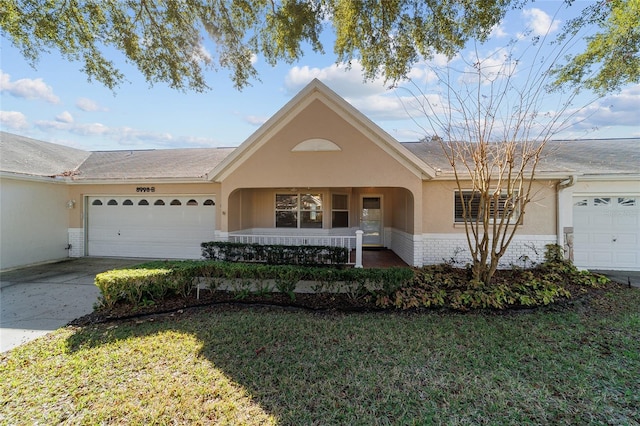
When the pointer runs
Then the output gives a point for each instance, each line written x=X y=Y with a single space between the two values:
x=493 y=118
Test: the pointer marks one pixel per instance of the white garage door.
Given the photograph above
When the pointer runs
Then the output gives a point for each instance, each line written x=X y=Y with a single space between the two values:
x=162 y=227
x=607 y=232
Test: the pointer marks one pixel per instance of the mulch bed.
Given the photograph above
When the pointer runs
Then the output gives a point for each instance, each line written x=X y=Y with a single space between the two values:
x=308 y=301
x=583 y=298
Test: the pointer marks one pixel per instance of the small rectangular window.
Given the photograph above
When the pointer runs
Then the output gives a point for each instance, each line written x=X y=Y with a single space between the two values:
x=469 y=203
x=286 y=211
x=339 y=211
x=311 y=211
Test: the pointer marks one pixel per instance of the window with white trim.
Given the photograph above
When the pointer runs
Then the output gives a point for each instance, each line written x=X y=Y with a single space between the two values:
x=339 y=211
x=299 y=210
x=470 y=200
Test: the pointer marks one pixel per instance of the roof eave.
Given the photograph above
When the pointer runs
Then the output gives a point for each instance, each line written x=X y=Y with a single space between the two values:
x=141 y=181
x=33 y=178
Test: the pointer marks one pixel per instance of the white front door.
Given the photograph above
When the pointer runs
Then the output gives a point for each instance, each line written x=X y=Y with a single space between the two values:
x=371 y=221
x=606 y=232
x=151 y=226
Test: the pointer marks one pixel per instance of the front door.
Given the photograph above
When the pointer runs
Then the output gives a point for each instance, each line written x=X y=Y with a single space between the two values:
x=371 y=221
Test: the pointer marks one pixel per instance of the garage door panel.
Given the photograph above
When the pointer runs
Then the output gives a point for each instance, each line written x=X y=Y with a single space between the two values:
x=599 y=238
x=151 y=250
x=133 y=229
x=625 y=221
x=628 y=257
x=626 y=239
x=607 y=232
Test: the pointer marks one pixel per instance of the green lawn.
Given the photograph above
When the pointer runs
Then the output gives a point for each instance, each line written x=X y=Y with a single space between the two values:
x=260 y=365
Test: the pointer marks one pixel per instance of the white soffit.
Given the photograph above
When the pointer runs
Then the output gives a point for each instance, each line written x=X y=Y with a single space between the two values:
x=316 y=145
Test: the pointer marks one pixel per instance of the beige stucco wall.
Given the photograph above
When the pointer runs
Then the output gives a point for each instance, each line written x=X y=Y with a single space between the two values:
x=255 y=207
x=360 y=163
x=78 y=192
x=33 y=222
x=438 y=207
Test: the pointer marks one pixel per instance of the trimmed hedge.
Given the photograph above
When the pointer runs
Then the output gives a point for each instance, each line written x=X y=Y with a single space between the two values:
x=150 y=282
x=399 y=288
x=275 y=254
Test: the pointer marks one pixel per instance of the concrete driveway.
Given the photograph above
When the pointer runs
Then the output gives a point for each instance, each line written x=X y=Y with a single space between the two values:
x=38 y=299
x=623 y=277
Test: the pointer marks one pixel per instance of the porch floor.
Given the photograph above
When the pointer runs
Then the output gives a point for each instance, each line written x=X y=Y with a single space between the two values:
x=383 y=258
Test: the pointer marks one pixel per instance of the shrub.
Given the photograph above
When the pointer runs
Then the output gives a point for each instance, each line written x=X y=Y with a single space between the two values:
x=133 y=285
x=154 y=280
x=275 y=254
x=446 y=286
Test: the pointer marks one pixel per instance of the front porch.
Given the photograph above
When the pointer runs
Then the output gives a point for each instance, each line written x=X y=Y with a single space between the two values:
x=383 y=258
x=353 y=217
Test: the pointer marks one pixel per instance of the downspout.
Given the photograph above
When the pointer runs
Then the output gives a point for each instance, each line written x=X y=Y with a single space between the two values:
x=564 y=234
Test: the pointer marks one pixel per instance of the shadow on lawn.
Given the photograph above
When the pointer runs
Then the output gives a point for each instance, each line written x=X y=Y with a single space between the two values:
x=403 y=368
x=303 y=367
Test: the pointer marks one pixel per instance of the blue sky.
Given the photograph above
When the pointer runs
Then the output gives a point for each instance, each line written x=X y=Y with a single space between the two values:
x=56 y=103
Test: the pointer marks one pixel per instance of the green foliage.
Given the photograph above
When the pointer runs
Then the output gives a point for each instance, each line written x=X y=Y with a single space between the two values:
x=275 y=254
x=556 y=267
x=287 y=278
x=435 y=286
x=389 y=37
x=154 y=280
x=447 y=287
x=164 y=39
x=612 y=56
x=136 y=286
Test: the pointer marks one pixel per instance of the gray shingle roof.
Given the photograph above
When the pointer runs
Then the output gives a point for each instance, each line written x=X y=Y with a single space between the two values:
x=22 y=155
x=593 y=156
x=589 y=156
x=27 y=156
x=185 y=163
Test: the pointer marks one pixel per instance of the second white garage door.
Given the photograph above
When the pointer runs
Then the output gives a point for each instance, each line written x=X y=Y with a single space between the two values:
x=160 y=227
x=607 y=232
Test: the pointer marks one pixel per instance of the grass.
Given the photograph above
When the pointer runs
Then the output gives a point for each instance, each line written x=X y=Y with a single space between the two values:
x=261 y=365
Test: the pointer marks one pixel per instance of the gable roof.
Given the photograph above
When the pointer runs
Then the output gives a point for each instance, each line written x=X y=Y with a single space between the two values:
x=31 y=157
x=312 y=92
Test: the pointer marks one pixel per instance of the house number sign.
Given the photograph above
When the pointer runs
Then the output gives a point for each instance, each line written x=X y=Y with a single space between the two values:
x=146 y=189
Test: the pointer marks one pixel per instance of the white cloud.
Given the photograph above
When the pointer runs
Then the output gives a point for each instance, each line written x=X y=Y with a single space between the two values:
x=65 y=117
x=27 y=88
x=539 y=22
x=255 y=120
x=347 y=82
x=373 y=98
x=88 y=105
x=13 y=120
x=494 y=65
x=201 y=54
x=620 y=109
x=84 y=129
x=498 y=31
x=124 y=137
